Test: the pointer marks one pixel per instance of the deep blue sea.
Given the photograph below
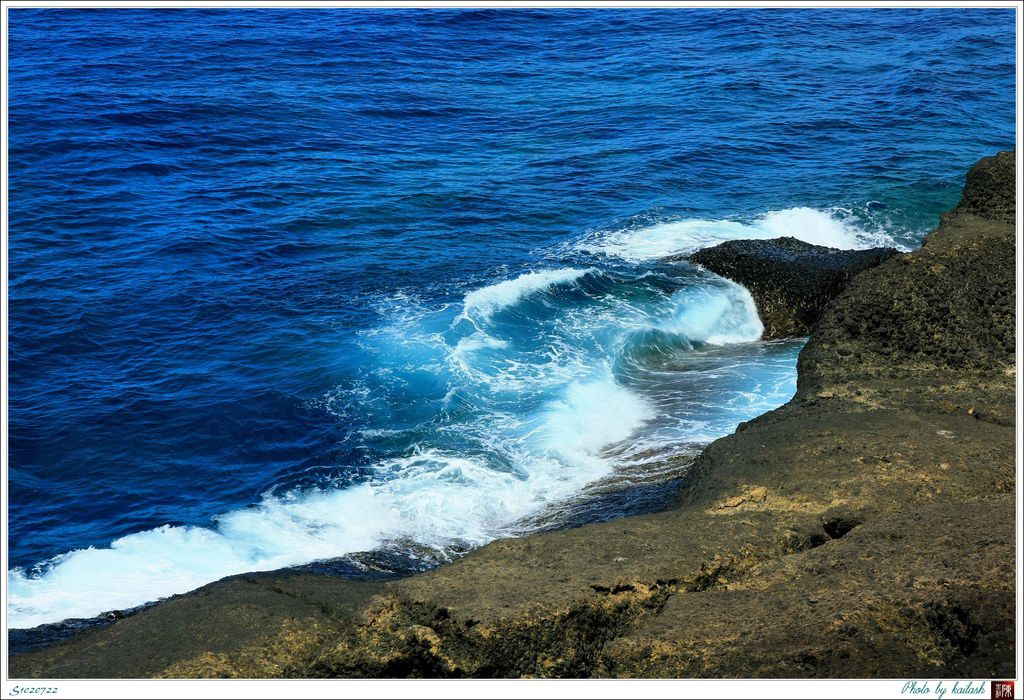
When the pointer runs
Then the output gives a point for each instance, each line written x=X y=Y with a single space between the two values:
x=287 y=286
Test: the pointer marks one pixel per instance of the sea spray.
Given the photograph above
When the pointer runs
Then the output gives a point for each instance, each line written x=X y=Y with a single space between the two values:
x=480 y=415
x=662 y=240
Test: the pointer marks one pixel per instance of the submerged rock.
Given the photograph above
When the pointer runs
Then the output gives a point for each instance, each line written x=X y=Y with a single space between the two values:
x=791 y=281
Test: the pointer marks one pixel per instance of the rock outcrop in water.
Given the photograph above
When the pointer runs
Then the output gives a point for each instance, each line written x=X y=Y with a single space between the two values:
x=864 y=529
x=791 y=281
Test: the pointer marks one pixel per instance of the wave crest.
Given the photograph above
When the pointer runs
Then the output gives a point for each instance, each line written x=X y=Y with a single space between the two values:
x=472 y=423
x=484 y=302
x=676 y=238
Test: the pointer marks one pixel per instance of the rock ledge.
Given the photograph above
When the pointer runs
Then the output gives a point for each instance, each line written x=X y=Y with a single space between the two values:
x=791 y=281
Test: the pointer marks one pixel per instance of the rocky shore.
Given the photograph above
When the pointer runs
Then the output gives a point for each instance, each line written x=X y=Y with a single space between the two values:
x=790 y=280
x=864 y=529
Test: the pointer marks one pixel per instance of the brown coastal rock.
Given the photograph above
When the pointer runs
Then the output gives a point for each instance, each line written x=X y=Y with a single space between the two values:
x=864 y=529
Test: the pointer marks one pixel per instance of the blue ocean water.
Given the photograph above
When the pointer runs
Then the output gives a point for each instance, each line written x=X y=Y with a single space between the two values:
x=288 y=285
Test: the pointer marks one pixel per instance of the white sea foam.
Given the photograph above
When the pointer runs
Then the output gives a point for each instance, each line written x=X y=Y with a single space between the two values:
x=433 y=498
x=719 y=315
x=485 y=301
x=478 y=341
x=589 y=417
x=675 y=238
x=533 y=397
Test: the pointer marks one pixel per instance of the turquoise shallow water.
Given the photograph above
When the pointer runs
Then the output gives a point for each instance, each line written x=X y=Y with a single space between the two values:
x=290 y=285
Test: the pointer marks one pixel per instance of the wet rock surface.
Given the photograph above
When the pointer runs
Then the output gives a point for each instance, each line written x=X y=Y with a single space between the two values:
x=791 y=281
x=865 y=529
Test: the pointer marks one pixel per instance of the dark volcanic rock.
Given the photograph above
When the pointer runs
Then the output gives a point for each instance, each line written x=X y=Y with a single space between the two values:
x=270 y=624
x=923 y=323
x=991 y=191
x=791 y=281
x=864 y=529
